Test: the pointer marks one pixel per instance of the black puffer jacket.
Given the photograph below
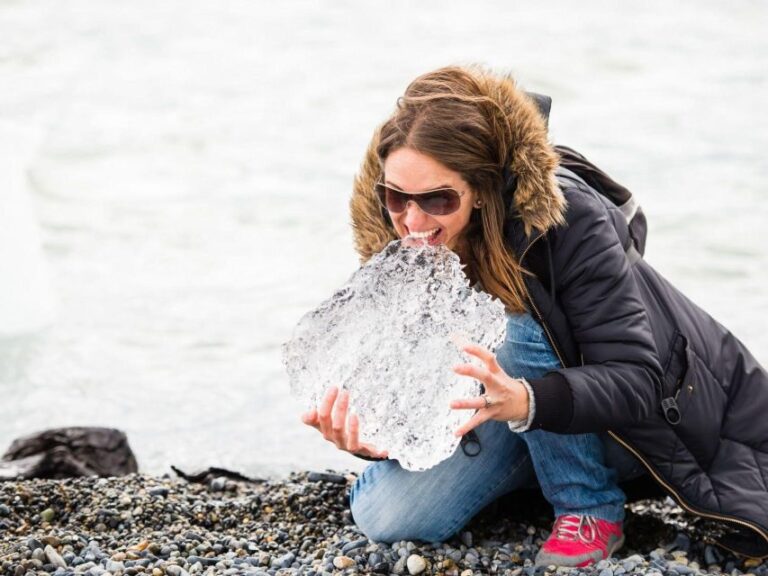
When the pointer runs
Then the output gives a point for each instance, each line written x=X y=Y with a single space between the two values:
x=675 y=387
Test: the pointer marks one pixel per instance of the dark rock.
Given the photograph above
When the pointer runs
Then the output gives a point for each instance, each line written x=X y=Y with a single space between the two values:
x=681 y=542
x=34 y=544
x=466 y=538
x=326 y=477
x=354 y=545
x=206 y=476
x=712 y=555
x=286 y=560
x=67 y=453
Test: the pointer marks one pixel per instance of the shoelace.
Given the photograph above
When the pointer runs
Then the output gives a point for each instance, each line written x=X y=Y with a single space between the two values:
x=572 y=527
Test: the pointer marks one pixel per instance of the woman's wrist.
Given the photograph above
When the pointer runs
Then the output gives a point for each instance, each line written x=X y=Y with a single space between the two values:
x=528 y=401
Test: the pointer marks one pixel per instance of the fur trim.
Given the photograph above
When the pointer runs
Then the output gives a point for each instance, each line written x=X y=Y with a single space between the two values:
x=538 y=201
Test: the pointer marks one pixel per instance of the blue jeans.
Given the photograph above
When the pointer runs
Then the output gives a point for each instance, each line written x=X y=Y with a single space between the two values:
x=577 y=473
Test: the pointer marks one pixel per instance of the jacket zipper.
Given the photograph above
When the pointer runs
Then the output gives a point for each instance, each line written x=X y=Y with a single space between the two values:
x=679 y=499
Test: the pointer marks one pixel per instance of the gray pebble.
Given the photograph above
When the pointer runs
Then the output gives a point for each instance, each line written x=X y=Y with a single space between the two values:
x=348 y=547
x=325 y=477
x=54 y=557
x=286 y=560
x=399 y=567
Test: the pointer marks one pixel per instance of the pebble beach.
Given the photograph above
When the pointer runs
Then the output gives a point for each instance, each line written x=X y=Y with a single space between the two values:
x=301 y=524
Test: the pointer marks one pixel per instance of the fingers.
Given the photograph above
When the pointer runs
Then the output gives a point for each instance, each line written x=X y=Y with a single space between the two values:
x=310 y=418
x=332 y=421
x=473 y=422
x=353 y=444
x=468 y=403
x=339 y=419
x=353 y=440
x=368 y=450
x=324 y=411
x=477 y=372
x=488 y=357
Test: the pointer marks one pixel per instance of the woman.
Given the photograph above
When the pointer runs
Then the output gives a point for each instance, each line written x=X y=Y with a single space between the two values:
x=634 y=356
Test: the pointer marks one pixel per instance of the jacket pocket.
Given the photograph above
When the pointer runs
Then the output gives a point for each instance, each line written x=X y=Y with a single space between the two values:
x=675 y=373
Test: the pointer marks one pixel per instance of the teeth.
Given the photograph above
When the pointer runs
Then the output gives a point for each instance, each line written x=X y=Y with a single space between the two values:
x=425 y=234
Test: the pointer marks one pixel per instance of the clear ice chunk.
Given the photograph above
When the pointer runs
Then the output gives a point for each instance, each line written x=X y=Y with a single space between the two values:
x=388 y=336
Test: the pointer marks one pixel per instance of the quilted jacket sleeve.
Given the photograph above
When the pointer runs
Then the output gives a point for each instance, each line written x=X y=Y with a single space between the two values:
x=617 y=383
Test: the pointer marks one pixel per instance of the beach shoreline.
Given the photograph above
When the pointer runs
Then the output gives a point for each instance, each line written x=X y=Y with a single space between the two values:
x=141 y=524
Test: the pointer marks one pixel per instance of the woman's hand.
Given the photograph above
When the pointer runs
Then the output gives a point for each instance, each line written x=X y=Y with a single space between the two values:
x=508 y=396
x=330 y=418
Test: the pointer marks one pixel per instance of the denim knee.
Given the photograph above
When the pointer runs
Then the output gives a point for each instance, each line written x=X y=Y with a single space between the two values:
x=384 y=518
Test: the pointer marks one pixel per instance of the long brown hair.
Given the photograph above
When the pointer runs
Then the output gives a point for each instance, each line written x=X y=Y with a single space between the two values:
x=453 y=116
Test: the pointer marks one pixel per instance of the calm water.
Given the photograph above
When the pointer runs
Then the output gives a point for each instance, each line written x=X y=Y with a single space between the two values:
x=174 y=180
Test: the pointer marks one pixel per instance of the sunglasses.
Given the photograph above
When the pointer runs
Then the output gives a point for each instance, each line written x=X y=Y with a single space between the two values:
x=440 y=202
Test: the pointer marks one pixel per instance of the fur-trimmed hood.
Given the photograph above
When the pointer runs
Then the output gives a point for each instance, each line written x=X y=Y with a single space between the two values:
x=537 y=200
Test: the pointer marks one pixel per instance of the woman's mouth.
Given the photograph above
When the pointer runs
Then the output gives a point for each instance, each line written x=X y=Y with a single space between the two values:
x=431 y=237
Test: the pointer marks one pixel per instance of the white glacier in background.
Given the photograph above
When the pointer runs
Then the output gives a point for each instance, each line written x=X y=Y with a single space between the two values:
x=388 y=337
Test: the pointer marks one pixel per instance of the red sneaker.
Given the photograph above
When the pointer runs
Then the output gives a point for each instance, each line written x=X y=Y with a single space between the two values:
x=579 y=541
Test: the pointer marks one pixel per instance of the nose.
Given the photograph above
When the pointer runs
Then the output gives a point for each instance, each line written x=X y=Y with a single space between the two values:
x=414 y=215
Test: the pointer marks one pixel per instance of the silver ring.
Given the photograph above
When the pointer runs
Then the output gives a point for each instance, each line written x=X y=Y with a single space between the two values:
x=488 y=401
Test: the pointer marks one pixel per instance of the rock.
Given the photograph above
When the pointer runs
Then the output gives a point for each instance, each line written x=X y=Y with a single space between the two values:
x=712 y=555
x=416 y=564
x=681 y=542
x=218 y=484
x=286 y=560
x=326 y=477
x=54 y=557
x=400 y=567
x=350 y=546
x=67 y=453
x=342 y=562
x=466 y=538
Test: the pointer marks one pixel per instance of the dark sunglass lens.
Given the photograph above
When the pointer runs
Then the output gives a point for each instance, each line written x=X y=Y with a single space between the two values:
x=439 y=203
x=395 y=201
